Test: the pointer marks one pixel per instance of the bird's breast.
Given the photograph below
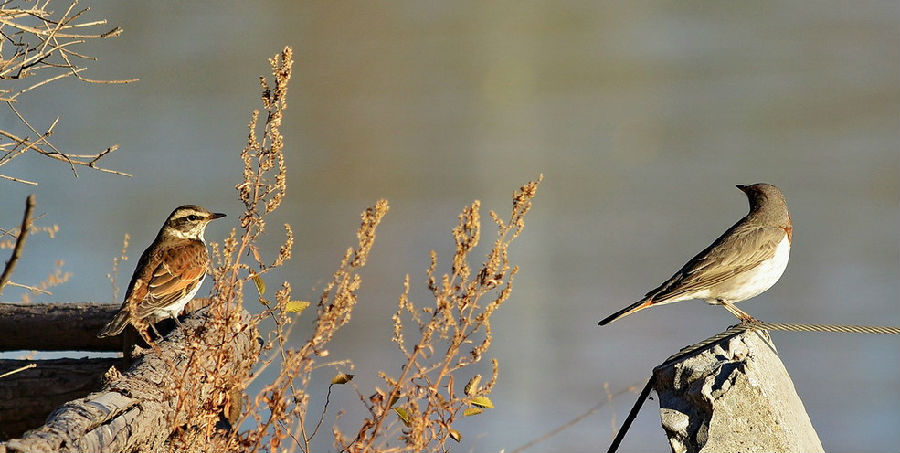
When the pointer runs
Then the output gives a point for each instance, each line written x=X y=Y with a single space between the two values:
x=754 y=281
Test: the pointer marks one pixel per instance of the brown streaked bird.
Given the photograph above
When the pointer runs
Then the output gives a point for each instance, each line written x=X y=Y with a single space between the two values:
x=169 y=272
x=742 y=263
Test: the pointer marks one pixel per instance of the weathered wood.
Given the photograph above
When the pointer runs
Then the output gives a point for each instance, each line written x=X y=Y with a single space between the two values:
x=63 y=326
x=56 y=327
x=735 y=396
x=27 y=397
x=134 y=411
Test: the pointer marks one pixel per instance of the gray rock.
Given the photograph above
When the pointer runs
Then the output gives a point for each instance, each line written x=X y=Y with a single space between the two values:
x=735 y=396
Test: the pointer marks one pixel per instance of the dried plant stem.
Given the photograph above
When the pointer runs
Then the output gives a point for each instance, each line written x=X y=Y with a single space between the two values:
x=574 y=421
x=425 y=395
x=458 y=323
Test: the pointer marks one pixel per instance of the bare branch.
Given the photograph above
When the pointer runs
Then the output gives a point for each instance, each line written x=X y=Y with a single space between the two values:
x=23 y=181
x=37 y=43
x=20 y=242
x=18 y=370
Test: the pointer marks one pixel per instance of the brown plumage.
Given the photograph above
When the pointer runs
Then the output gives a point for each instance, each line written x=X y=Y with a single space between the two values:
x=742 y=263
x=169 y=272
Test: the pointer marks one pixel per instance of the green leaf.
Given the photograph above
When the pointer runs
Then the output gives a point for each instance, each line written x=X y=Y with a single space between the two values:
x=470 y=411
x=403 y=414
x=296 y=306
x=455 y=435
x=341 y=379
x=260 y=284
x=482 y=401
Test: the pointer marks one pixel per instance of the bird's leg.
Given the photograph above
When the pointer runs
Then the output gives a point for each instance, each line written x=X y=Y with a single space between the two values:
x=742 y=315
x=153 y=326
x=177 y=322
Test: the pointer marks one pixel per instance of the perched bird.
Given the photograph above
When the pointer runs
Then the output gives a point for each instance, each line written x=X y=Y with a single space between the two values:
x=169 y=272
x=742 y=263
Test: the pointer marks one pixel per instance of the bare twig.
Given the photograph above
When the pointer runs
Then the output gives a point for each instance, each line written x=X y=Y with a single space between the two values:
x=20 y=242
x=574 y=421
x=33 y=289
x=39 y=44
x=18 y=370
x=19 y=180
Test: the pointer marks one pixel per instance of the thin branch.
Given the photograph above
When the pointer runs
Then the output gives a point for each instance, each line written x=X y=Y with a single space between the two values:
x=322 y=417
x=18 y=370
x=576 y=420
x=23 y=181
x=20 y=242
x=32 y=289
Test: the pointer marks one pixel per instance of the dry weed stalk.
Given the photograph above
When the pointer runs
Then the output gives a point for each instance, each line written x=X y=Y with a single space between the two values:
x=38 y=47
x=279 y=410
x=450 y=335
x=113 y=275
x=277 y=418
x=262 y=188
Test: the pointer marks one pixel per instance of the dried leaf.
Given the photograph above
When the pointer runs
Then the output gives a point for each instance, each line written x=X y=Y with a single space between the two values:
x=455 y=435
x=470 y=411
x=482 y=401
x=403 y=414
x=296 y=306
x=341 y=379
x=260 y=284
x=472 y=386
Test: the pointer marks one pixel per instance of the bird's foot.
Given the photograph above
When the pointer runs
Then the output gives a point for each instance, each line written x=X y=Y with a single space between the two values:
x=746 y=319
x=743 y=316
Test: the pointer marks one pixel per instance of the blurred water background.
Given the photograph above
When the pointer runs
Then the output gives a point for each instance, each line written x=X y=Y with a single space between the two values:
x=641 y=115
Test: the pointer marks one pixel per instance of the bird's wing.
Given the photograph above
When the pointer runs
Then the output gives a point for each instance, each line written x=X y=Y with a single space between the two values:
x=741 y=248
x=169 y=274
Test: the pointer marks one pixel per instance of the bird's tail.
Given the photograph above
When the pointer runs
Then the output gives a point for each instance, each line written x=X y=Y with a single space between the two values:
x=633 y=308
x=115 y=326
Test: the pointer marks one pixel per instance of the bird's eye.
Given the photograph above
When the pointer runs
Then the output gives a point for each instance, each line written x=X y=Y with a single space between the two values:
x=193 y=218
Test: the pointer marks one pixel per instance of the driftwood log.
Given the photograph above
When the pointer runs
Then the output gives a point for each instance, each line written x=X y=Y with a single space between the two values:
x=70 y=326
x=28 y=396
x=136 y=410
x=56 y=327
x=735 y=396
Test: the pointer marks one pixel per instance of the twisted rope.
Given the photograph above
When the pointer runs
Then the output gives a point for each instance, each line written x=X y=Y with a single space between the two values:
x=839 y=328
x=735 y=330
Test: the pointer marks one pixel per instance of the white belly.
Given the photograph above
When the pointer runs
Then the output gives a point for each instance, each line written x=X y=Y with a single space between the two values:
x=175 y=309
x=753 y=282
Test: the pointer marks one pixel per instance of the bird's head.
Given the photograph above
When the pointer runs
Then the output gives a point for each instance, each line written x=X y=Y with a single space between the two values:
x=189 y=222
x=768 y=204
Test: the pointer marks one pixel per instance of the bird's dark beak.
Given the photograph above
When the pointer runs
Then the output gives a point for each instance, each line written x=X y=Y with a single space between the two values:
x=742 y=187
x=216 y=215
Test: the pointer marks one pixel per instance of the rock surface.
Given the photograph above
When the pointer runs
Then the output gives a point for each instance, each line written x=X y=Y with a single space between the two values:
x=735 y=396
